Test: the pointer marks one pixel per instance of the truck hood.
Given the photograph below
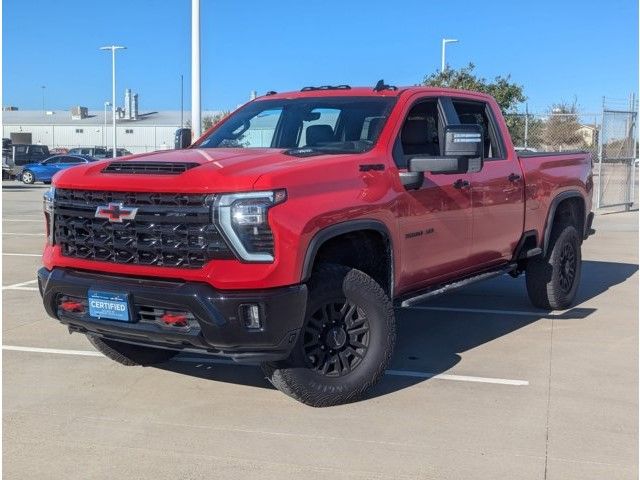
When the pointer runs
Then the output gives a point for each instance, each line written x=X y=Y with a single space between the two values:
x=210 y=170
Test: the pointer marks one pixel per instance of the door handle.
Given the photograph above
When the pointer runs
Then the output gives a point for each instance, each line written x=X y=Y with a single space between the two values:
x=461 y=184
x=514 y=177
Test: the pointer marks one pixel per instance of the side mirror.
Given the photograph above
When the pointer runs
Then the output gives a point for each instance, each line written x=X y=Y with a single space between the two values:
x=183 y=138
x=463 y=152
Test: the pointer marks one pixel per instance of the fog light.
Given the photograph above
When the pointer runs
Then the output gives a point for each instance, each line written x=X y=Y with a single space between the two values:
x=177 y=319
x=250 y=315
x=72 y=306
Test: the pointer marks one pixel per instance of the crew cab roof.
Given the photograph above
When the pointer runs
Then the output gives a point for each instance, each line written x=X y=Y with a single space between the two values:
x=370 y=92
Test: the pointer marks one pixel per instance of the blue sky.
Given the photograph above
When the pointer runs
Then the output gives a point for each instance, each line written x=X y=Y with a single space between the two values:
x=557 y=49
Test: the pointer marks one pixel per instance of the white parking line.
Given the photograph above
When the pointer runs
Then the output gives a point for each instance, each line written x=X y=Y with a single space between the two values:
x=21 y=286
x=526 y=313
x=22 y=220
x=222 y=361
x=22 y=254
x=24 y=234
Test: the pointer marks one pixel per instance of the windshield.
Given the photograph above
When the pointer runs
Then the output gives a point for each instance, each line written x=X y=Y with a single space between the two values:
x=322 y=125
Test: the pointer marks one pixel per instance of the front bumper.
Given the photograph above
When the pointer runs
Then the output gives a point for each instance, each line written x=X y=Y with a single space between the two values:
x=217 y=327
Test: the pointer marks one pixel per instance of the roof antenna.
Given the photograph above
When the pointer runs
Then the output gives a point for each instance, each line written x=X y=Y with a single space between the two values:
x=380 y=86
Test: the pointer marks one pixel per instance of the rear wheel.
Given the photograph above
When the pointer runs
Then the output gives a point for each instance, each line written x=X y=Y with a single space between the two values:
x=28 y=177
x=129 y=354
x=552 y=280
x=346 y=343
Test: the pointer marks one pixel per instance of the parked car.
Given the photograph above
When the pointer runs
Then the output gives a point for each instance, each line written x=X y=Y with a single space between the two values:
x=289 y=231
x=95 y=152
x=16 y=156
x=59 y=151
x=120 y=152
x=45 y=170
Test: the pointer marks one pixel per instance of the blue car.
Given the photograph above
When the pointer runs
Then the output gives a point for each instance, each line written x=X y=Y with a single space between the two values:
x=45 y=170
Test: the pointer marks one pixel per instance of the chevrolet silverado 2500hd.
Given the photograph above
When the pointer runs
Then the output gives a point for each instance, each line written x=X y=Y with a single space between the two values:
x=288 y=233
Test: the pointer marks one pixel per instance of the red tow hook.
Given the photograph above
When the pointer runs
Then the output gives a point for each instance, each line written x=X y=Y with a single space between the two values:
x=72 y=306
x=176 y=319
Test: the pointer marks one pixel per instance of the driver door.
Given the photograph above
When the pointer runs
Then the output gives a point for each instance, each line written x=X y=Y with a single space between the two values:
x=435 y=220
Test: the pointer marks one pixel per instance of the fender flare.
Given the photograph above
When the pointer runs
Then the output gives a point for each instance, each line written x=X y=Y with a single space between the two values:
x=341 y=228
x=552 y=213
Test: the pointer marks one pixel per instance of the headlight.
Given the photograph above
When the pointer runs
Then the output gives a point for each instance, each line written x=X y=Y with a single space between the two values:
x=47 y=205
x=243 y=220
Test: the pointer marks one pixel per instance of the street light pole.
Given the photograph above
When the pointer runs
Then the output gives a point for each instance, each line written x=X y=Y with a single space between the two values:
x=443 y=64
x=43 y=110
x=104 y=130
x=113 y=49
x=196 y=123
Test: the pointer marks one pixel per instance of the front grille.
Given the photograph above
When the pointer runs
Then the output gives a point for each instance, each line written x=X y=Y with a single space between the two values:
x=171 y=230
x=149 y=168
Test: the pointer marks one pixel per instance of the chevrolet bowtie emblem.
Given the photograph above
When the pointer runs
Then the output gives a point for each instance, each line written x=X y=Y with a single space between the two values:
x=116 y=212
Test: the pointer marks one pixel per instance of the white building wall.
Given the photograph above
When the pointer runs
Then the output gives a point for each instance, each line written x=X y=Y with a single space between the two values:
x=142 y=138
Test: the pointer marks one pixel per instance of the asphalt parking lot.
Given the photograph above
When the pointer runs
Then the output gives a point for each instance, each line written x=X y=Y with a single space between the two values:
x=482 y=386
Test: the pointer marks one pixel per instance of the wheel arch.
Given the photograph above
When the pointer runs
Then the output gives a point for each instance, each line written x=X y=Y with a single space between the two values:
x=325 y=235
x=558 y=200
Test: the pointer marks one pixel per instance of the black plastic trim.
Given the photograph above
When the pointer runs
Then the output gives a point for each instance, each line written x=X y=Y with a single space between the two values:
x=340 y=229
x=552 y=212
x=220 y=331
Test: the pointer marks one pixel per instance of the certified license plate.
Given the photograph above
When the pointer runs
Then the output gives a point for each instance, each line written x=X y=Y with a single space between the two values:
x=108 y=305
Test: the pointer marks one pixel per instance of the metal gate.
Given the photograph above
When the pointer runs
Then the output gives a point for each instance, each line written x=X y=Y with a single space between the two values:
x=616 y=167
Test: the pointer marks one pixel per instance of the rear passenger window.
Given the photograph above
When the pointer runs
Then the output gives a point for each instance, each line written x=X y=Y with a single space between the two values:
x=480 y=113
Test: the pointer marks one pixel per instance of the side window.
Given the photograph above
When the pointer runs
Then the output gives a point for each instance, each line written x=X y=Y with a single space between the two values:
x=479 y=113
x=85 y=151
x=52 y=160
x=37 y=150
x=319 y=127
x=420 y=132
x=68 y=159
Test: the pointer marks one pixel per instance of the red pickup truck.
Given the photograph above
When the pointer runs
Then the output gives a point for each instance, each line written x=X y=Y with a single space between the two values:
x=288 y=233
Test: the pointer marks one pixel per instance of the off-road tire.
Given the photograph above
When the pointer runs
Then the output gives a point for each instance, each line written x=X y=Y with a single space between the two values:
x=28 y=177
x=131 y=355
x=546 y=276
x=301 y=378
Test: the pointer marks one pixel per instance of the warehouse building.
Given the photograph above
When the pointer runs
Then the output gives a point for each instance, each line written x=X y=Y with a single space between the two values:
x=138 y=133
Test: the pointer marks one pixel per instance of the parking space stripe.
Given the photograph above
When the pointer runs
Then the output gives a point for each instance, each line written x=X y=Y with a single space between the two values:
x=22 y=220
x=525 y=313
x=21 y=286
x=22 y=254
x=24 y=234
x=222 y=361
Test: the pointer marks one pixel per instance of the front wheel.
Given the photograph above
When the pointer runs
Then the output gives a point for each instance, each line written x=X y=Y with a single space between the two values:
x=346 y=342
x=28 y=177
x=129 y=354
x=552 y=280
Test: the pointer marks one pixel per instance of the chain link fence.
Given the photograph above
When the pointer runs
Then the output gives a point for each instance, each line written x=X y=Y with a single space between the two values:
x=610 y=136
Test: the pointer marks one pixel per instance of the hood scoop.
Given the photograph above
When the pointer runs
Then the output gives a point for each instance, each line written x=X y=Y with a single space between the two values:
x=148 y=168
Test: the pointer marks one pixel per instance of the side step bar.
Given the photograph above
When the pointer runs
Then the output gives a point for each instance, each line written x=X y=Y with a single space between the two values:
x=417 y=297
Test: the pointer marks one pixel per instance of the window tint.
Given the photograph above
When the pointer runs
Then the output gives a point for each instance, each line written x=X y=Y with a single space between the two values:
x=479 y=113
x=318 y=117
x=52 y=160
x=324 y=125
x=84 y=151
x=420 y=132
x=71 y=160
x=255 y=133
x=37 y=150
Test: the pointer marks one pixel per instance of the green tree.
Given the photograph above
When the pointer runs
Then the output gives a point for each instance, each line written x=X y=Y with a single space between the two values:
x=507 y=93
x=561 y=130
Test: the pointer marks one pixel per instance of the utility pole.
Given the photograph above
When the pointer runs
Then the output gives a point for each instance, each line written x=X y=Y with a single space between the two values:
x=44 y=112
x=196 y=122
x=443 y=62
x=104 y=130
x=113 y=49
x=526 y=125
x=181 y=101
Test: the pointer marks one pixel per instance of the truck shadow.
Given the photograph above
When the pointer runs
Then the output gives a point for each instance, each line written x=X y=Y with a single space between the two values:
x=432 y=339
